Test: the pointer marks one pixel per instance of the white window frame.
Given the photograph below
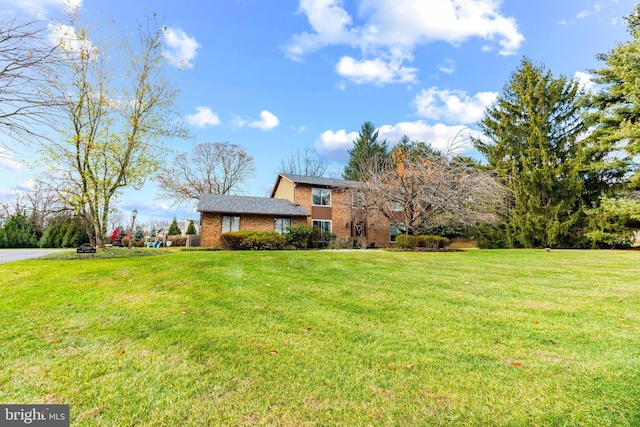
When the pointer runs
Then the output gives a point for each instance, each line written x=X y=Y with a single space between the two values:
x=283 y=227
x=322 y=195
x=232 y=221
x=323 y=221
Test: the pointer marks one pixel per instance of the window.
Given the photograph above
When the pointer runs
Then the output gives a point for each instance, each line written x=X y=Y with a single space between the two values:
x=394 y=230
x=322 y=225
x=280 y=225
x=358 y=201
x=321 y=196
x=230 y=223
x=395 y=206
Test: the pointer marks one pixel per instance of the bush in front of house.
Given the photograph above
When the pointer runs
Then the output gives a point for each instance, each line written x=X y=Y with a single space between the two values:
x=406 y=241
x=432 y=242
x=253 y=240
x=320 y=238
x=298 y=236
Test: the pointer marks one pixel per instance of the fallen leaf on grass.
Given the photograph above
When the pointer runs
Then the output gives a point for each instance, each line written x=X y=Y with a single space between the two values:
x=496 y=342
x=516 y=363
x=535 y=322
x=120 y=353
x=274 y=352
x=466 y=283
x=184 y=312
x=553 y=342
x=309 y=329
x=619 y=299
x=143 y=353
x=409 y=366
x=392 y=366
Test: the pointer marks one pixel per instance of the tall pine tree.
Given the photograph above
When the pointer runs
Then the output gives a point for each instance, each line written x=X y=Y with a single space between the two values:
x=532 y=142
x=366 y=154
x=616 y=107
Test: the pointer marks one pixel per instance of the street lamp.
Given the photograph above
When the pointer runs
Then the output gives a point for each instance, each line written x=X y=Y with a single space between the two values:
x=134 y=214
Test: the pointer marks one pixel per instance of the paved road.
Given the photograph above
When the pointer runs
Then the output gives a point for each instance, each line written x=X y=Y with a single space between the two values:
x=10 y=255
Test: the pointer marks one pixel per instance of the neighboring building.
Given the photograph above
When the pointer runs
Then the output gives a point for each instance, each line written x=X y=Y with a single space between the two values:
x=295 y=200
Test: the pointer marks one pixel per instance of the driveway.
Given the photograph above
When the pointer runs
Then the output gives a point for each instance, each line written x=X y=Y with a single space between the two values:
x=11 y=255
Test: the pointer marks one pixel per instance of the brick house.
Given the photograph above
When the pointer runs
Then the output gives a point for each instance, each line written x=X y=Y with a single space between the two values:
x=295 y=200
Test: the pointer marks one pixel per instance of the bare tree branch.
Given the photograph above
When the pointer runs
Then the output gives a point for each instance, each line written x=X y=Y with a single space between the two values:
x=305 y=163
x=218 y=168
x=28 y=57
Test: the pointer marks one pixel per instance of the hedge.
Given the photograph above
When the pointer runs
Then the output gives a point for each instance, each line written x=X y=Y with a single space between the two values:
x=252 y=240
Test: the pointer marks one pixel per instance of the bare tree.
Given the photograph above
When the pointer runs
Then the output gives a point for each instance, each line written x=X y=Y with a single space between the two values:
x=416 y=191
x=305 y=163
x=27 y=58
x=218 y=168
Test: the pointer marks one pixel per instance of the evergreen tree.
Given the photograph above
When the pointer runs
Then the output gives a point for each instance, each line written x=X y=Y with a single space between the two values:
x=618 y=104
x=19 y=232
x=138 y=234
x=191 y=229
x=532 y=134
x=173 y=228
x=366 y=149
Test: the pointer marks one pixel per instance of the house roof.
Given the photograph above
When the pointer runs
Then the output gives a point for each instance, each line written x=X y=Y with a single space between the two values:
x=223 y=203
x=314 y=180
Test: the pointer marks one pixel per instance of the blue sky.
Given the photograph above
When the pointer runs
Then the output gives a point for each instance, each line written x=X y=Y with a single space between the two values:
x=278 y=76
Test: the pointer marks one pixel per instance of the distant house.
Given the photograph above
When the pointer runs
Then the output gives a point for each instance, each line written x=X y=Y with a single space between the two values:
x=319 y=202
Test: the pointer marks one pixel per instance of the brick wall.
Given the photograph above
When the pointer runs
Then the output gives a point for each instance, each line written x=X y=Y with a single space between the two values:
x=212 y=226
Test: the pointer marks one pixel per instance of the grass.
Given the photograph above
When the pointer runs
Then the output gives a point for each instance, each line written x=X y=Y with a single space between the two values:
x=472 y=338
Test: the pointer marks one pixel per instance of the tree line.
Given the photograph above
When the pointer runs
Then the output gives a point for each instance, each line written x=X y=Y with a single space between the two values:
x=558 y=166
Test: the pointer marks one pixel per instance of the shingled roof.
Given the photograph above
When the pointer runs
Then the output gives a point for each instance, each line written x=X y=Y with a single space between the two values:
x=220 y=203
x=319 y=181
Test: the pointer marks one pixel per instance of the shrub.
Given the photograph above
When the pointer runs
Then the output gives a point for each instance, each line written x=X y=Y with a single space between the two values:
x=125 y=241
x=177 y=240
x=253 y=240
x=433 y=242
x=406 y=241
x=298 y=236
x=320 y=238
x=19 y=232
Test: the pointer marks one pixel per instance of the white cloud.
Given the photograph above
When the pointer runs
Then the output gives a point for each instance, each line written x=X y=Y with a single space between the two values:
x=267 y=121
x=334 y=145
x=42 y=8
x=180 y=49
x=585 y=81
x=448 y=66
x=68 y=38
x=375 y=71
x=440 y=136
x=8 y=162
x=452 y=106
x=596 y=8
x=203 y=117
x=387 y=32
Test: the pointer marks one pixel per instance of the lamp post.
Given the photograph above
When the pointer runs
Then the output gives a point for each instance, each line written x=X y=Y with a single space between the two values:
x=134 y=214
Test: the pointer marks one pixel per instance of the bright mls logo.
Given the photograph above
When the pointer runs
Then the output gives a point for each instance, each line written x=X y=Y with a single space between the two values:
x=34 y=415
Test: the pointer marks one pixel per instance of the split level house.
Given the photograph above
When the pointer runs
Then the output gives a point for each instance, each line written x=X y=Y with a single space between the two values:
x=320 y=202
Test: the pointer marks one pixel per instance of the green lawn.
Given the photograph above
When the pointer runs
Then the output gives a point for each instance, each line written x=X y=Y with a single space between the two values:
x=350 y=338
